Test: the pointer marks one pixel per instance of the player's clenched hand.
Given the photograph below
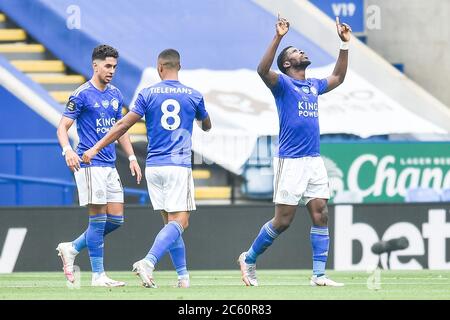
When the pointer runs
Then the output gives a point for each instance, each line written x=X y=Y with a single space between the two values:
x=282 y=26
x=344 y=31
x=88 y=155
x=72 y=160
x=136 y=171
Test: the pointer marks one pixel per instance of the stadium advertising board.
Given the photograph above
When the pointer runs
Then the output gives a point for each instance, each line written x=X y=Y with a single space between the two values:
x=426 y=229
x=218 y=234
x=383 y=172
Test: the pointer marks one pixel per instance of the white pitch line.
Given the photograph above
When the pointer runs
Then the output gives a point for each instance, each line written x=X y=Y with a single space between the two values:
x=22 y=287
x=263 y=285
x=387 y=277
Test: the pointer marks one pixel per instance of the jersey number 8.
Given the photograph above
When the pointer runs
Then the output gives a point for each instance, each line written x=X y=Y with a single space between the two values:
x=175 y=123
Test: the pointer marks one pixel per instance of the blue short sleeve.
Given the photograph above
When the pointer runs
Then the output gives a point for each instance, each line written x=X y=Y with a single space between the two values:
x=201 y=113
x=322 y=85
x=73 y=108
x=139 y=106
x=278 y=89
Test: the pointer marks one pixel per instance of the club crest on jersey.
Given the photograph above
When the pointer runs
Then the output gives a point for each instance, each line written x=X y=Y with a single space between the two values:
x=314 y=91
x=100 y=194
x=115 y=104
x=105 y=103
x=96 y=105
x=305 y=90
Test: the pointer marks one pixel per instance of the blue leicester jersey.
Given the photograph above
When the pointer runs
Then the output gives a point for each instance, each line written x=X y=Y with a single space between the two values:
x=95 y=112
x=169 y=108
x=298 y=113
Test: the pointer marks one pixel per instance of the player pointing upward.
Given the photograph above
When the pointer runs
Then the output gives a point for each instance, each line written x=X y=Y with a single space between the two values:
x=300 y=173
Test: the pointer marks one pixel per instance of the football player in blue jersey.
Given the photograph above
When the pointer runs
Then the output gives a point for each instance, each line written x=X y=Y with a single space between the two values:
x=299 y=171
x=96 y=106
x=170 y=109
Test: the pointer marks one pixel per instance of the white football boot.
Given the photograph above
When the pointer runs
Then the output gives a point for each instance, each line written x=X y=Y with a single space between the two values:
x=324 y=281
x=183 y=282
x=102 y=280
x=67 y=253
x=144 y=270
x=248 y=271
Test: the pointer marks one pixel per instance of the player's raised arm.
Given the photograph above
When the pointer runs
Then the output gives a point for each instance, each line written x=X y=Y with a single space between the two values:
x=72 y=159
x=115 y=133
x=270 y=77
x=337 y=77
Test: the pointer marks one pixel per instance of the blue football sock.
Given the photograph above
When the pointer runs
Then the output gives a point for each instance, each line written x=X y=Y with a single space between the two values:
x=320 y=242
x=80 y=242
x=262 y=242
x=112 y=223
x=178 y=255
x=163 y=241
x=94 y=240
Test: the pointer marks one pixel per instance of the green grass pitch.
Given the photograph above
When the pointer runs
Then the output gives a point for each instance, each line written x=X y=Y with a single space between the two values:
x=227 y=285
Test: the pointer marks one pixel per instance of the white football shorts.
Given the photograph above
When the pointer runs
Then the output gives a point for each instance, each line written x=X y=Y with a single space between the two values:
x=299 y=180
x=171 y=188
x=98 y=185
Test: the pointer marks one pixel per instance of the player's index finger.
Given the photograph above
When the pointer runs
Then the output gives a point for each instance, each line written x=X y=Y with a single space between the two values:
x=278 y=16
x=337 y=20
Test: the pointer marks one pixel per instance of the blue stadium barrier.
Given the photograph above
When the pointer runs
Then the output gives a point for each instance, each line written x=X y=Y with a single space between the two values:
x=20 y=179
x=445 y=195
x=67 y=188
x=19 y=150
x=422 y=195
x=347 y=196
x=24 y=122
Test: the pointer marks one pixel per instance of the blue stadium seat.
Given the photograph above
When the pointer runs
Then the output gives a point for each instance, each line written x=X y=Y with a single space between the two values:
x=258 y=172
x=258 y=183
x=422 y=195
x=445 y=195
x=262 y=154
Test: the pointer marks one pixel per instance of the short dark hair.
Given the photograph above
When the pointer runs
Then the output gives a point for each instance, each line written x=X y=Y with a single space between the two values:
x=104 y=51
x=281 y=58
x=172 y=56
